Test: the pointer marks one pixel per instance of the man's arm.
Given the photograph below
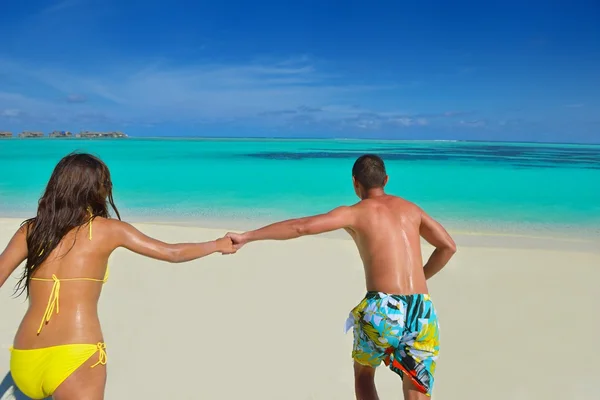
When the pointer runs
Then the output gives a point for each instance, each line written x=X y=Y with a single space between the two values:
x=434 y=233
x=14 y=254
x=341 y=217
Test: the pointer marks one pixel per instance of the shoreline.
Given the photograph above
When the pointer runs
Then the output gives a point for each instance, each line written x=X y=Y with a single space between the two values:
x=534 y=240
x=242 y=220
x=247 y=219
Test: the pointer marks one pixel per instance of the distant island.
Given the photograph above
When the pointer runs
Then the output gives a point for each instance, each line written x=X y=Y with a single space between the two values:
x=65 y=134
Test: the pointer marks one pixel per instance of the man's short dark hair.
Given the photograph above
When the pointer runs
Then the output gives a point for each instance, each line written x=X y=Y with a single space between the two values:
x=369 y=171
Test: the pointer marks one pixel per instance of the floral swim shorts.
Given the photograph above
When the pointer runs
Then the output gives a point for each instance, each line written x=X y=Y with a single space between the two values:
x=400 y=330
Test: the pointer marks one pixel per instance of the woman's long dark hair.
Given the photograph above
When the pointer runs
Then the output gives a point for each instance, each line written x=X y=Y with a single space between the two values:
x=79 y=190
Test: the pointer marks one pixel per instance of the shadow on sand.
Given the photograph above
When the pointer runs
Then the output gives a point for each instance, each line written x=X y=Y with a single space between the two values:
x=9 y=391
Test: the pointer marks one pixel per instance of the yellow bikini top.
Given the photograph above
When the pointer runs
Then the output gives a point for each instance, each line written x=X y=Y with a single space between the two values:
x=55 y=292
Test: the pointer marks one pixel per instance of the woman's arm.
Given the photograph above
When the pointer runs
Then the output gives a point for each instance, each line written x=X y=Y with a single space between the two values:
x=14 y=254
x=132 y=239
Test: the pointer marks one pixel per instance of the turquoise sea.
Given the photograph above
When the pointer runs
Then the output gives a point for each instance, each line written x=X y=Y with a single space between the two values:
x=467 y=185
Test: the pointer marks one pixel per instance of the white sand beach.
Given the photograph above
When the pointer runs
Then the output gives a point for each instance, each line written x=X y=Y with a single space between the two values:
x=517 y=322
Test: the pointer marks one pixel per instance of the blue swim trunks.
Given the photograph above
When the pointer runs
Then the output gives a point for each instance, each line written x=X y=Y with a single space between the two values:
x=400 y=330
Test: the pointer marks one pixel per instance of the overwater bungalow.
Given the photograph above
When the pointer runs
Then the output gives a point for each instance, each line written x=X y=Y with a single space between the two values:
x=88 y=135
x=6 y=134
x=60 y=134
x=29 y=134
x=117 y=134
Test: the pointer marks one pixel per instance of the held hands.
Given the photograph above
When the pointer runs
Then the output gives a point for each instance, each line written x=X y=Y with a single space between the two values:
x=238 y=239
x=230 y=243
x=225 y=245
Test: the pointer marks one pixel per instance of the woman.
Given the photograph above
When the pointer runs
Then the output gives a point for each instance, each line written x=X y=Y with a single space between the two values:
x=67 y=246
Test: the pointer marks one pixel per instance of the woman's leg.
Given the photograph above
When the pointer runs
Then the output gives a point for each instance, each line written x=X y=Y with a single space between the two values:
x=86 y=383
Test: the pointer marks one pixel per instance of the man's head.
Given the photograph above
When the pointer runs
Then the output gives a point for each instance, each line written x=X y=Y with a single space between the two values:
x=368 y=173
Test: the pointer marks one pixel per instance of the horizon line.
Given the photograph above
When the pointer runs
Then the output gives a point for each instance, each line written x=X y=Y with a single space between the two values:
x=293 y=138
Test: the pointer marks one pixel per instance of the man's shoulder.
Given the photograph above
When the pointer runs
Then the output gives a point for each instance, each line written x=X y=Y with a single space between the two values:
x=345 y=209
x=348 y=213
x=396 y=204
x=407 y=204
x=389 y=199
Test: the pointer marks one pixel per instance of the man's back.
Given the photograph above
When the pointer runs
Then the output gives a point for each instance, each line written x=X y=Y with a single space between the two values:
x=386 y=232
x=396 y=321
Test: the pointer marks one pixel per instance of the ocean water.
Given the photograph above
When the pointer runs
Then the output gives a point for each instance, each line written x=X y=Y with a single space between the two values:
x=467 y=185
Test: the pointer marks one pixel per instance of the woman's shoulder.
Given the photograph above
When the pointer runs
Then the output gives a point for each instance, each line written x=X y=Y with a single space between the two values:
x=112 y=226
x=108 y=223
x=26 y=226
x=110 y=230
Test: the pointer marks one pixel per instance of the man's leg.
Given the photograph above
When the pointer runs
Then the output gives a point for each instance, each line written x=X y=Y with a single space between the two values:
x=410 y=390
x=364 y=382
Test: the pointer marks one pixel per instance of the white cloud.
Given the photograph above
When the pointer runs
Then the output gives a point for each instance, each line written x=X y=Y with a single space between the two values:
x=10 y=113
x=410 y=121
x=269 y=93
x=476 y=123
x=59 y=6
x=208 y=91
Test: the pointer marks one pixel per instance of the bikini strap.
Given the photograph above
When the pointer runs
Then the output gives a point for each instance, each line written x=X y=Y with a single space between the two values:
x=90 y=222
x=53 y=301
x=90 y=237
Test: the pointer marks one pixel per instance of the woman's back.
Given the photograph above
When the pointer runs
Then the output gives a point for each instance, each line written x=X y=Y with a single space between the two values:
x=66 y=247
x=65 y=288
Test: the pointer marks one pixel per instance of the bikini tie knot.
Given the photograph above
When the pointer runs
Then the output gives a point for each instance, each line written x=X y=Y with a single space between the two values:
x=53 y=302
x=101 y=354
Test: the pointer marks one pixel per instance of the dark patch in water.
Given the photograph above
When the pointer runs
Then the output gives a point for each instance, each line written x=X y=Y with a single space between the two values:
x=513 y=155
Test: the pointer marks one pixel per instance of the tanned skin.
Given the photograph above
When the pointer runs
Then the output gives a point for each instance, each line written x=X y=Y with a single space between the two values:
x=78 y=321
x=387 y=231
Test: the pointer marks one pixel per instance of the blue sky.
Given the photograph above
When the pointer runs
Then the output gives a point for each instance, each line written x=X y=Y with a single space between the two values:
x=383 y=69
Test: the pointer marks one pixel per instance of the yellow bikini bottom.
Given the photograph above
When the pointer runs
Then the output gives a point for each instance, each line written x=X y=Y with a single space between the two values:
x=39 y=372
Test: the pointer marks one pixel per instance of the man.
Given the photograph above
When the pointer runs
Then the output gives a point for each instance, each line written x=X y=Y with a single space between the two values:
x=396 y=322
